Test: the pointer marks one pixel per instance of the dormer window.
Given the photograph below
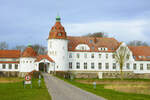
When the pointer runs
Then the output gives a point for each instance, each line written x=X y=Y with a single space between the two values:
x=70 y=47
x=91 y=41
x=112 y=48
x=82 y=47
x=59 y=34
x=102 y=49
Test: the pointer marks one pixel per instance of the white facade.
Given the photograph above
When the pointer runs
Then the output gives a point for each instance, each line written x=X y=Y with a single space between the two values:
x=58 y=51
x=82 y=58
x=27 y=64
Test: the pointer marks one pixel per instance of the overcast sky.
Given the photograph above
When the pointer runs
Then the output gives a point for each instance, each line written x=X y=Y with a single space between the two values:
x=24 y=22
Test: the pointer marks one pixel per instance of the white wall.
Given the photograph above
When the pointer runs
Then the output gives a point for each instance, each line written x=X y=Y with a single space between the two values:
x=103 y=60
x=27 y=64
x=58 y=51
x=7 y=67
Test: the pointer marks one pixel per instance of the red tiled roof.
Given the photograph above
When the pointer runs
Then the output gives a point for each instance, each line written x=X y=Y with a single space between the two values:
x=97 y=42
x=29 y=52
x=141 y=53
x=16 y=62
x=40 y=57
x=10 y=53
x=56 y=30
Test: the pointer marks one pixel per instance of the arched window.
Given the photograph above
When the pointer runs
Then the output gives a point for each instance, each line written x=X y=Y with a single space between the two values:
x=59 y=34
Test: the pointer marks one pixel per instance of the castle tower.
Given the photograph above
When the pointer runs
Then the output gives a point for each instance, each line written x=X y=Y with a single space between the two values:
x=58 y=46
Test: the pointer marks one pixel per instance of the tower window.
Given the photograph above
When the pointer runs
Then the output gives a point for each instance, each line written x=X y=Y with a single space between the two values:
x=85 y=55
x=100 y=55
x=92 y=55
x=70 y=55
x=91 y=41
x=59 y=34
x=78 y=55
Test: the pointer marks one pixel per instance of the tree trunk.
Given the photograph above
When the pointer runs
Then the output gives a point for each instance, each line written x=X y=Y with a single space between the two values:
x=121 y=74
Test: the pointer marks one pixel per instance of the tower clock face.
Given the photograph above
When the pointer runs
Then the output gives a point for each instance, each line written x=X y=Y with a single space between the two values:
x=59 y=34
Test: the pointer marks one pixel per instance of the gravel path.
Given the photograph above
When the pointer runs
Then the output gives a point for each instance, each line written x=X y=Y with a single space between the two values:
x=60 y=90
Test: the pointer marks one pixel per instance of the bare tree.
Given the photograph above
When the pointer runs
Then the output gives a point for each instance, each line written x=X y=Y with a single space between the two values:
x=39 y=49
x=20 y=47
x=122 y=55
x=137 y=43
x=3 y=45
x=97 y=34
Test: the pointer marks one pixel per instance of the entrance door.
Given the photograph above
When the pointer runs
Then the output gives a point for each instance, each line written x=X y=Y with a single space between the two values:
x=43 y=67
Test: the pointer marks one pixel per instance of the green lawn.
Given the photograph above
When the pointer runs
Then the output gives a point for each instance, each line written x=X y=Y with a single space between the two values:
x=110 y=94
x=16 y=91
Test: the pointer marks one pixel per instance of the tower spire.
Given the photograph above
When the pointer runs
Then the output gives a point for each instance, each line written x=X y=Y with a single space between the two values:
x=58 y=18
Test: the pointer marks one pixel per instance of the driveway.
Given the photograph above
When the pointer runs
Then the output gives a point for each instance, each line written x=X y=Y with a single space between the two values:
x=60 y=90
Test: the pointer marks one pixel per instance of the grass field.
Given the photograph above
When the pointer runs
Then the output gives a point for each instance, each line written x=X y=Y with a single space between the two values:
x=110 y=93
x=12 y=89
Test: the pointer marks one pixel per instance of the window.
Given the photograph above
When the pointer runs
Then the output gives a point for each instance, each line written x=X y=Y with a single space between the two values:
x=4 y=66
x=99 y=65
x=113 y=56
x=114 y=65
x=100 y=55
x=26 y=61
x=85 y=65
x=128 y=66
x=90 y=41
x=85 y=55
x=70 y=65
x=92 y=65
x=10 y=66
x=141 y=66
x=148 y=66
x=70 y=55
x=107 y=65
x=128 y=56
x=106 y=56
x=16 y=66
x=82 y=48
x=78 y=55
x=59 y=34
x=30 y=61
x=70 y=47
x=78 y=65
x=134 y=66
x=92 y=55
x=92 y=48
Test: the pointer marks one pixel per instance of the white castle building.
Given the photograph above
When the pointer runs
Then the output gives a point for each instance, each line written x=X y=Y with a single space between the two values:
x=76 y=54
